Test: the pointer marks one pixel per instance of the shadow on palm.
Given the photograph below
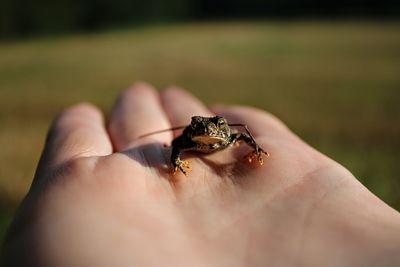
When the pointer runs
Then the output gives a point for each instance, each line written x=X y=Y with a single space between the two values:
x=229 y=164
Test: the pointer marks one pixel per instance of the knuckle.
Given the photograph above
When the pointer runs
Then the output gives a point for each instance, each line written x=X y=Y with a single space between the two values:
x=79 y=108
x=73 y=114
x=76 y=168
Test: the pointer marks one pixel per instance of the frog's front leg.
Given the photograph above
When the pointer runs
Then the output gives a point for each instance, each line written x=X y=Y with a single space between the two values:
x=177 y=163
x=248 y=138
x=178 y=146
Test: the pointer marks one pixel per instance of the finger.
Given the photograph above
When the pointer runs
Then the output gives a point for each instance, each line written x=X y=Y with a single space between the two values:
x=180 y=106
x=77 y=132
x=138 y=111
x=259 y=122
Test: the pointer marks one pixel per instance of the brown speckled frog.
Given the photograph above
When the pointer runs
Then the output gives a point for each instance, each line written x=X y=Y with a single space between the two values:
x=210 y=134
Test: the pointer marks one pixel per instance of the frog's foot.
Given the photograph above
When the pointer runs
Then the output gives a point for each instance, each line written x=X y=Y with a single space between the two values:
x=256 y=155
x=183 y=166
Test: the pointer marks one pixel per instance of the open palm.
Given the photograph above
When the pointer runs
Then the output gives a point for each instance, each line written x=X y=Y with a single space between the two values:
x=103 y=197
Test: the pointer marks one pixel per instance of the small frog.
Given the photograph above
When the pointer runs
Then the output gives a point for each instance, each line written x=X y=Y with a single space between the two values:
x=208 y=135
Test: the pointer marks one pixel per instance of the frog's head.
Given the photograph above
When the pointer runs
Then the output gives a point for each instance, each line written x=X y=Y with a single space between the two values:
x=209 y=130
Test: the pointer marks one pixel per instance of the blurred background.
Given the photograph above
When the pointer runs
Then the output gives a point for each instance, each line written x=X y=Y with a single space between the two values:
x=330 y=70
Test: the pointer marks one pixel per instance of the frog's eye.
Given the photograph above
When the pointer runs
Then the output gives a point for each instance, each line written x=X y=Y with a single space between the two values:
x=221 y=122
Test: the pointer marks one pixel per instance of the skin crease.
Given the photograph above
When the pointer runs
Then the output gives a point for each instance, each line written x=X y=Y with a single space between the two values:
x=102 y=197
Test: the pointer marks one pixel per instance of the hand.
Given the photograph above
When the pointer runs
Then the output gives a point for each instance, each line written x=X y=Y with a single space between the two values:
x=103 y=197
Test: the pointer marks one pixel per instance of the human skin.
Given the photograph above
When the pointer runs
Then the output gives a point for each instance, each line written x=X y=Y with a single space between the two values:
x=103 y=197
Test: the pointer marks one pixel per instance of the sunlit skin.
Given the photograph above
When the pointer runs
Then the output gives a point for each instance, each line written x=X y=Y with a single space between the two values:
x=103 y=197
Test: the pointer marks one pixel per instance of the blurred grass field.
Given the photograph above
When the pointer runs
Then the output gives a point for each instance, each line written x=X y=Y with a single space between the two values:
x=337 y=85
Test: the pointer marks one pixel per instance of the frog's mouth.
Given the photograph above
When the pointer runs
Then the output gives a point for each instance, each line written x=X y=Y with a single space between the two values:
x=206 y=139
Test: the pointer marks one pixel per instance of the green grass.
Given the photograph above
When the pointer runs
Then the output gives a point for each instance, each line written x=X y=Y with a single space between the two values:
x=337 y=85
